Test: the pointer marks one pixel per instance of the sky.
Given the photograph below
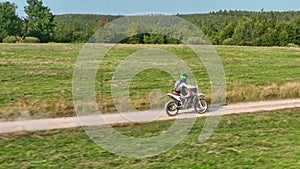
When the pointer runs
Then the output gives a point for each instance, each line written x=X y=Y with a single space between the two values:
x=131 y=7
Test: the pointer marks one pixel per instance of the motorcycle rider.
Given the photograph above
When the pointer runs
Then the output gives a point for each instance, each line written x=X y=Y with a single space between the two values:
x=180 y=88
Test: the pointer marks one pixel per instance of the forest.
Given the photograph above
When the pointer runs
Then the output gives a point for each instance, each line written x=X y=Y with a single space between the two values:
x=243 y=28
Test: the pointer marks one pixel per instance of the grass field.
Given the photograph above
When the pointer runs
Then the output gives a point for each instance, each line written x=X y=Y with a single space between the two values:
x=261 y=140
x=36 y=79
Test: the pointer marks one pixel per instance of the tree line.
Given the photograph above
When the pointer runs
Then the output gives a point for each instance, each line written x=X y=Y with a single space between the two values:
x=222 y=27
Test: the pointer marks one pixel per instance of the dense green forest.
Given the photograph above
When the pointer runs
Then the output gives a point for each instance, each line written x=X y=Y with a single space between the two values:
x=222 y=28
x=249 y=28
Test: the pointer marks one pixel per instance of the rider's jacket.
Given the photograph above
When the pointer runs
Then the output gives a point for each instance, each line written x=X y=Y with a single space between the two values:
x=181 y=86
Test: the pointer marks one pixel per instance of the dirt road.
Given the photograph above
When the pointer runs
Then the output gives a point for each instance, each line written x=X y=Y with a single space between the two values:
x=98 y=119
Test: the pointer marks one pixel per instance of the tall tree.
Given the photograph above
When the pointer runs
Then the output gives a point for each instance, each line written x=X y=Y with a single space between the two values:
x=283 y=33
x=269 y=38
x=10 y=23
x=133 y=33
x=39 y=20
x=227 y=32
x=243 y=31
x=260 y=24
x=296 y=31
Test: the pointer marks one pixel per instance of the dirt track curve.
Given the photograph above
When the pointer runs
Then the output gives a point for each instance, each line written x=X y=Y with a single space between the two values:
x=70 y=122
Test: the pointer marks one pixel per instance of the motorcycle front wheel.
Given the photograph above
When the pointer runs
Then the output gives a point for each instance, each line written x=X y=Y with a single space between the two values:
x=172 y=109
x=201 y=106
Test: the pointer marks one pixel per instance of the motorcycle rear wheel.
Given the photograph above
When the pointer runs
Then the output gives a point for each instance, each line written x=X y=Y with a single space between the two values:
x=172 y=108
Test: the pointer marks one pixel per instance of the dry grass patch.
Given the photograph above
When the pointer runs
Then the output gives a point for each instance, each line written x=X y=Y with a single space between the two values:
x=238 y=92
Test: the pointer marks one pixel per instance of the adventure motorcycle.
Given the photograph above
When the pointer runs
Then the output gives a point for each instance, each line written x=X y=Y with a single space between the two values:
x=180 y=103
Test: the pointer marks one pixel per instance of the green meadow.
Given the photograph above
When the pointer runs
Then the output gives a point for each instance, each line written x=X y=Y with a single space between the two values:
x=36 y=79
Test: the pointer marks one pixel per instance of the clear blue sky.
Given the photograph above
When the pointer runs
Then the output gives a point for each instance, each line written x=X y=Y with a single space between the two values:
x=127 y=7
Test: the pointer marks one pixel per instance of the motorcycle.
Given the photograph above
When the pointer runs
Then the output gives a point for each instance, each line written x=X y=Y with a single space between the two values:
x=180 y=103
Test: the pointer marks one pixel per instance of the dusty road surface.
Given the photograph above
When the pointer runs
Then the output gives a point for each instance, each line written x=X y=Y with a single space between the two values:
x=99 y=119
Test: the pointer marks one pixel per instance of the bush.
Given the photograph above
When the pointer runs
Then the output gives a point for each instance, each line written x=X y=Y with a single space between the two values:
x=11 y=39
x=292 y=45
x=228 y=41
x=197 y=41
x=31 y=40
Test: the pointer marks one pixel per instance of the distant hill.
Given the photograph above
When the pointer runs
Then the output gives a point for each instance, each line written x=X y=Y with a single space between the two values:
x=220 y=19
x=79 y=27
